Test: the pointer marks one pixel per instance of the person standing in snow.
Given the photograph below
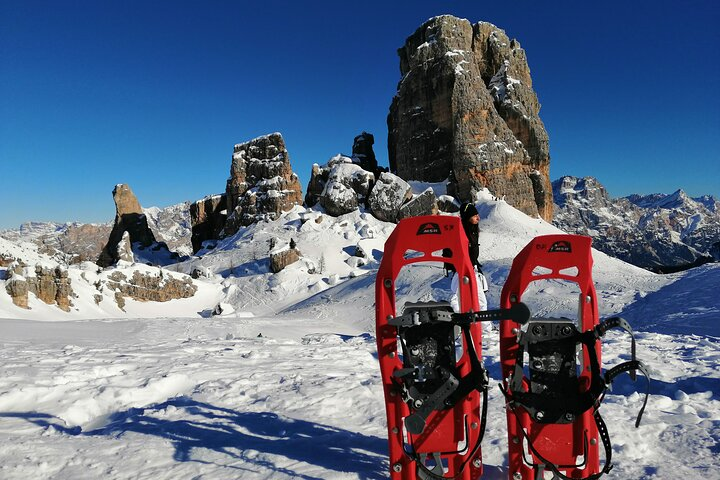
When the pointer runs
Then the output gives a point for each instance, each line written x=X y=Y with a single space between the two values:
x=470 y=220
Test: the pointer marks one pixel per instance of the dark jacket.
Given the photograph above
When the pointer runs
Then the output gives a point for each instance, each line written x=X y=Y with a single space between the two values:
x=472 y=232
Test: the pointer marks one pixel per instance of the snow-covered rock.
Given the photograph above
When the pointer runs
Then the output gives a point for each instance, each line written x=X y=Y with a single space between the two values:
x=262 y=183
x=423 y=204
x=346 y=187
x=388 y=195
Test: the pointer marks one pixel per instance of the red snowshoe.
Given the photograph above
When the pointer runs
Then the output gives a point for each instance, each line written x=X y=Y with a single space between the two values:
x=554 y=426
x=430 y=358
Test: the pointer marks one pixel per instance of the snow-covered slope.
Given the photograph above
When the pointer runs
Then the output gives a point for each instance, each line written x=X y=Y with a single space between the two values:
x=287 y=384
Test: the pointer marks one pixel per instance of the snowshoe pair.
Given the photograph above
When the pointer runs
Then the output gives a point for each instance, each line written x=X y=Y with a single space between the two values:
x=436 y=387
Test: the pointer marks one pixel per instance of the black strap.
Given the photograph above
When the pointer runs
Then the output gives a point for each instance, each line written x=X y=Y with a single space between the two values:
x=618 y=322
x=631 y=366
x=477 y=378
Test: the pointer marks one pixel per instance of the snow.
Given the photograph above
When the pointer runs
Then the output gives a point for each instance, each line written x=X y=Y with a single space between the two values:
x=285 y=382
x=256 y=139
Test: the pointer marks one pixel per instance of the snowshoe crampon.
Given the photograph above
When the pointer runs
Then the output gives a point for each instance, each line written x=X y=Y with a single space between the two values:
x=554 y=426
x=434 y=383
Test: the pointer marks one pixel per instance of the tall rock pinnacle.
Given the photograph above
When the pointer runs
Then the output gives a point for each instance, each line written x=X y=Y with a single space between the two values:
x=130 y=218
x=465 y=111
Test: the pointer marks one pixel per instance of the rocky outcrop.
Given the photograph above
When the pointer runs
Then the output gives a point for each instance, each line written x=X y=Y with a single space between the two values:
x=130 y=218
x=124 y=249
x=262 y=184
x=363 y=153
x=17 y=288
x=388 y=195
x=316 y=185
x=365 y=173
x=279 y=259
x=423 y=204
x=346 y=187
x=148 y=287
x=51 y=285
x=658 y=232
x=208 y=218
x=6 y=260
x=448 y=204
x=465 y=111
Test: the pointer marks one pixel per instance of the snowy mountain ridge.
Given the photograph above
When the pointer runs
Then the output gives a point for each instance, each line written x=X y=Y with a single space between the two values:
x=658 y=231
x=75 y=242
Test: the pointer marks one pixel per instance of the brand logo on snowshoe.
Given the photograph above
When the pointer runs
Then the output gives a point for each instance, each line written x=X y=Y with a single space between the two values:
x=561 y=246
x=429 y=229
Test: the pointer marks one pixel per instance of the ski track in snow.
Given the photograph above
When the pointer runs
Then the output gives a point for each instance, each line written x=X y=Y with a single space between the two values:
x=294 y=392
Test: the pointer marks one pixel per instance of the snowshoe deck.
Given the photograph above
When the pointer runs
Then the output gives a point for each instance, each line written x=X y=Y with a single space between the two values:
x=567 y=440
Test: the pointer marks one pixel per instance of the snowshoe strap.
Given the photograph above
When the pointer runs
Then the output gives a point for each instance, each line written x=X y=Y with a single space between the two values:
x=415 y=423
x=518 y=312
x=631 y=366
x=477 y=379
x=618 y=322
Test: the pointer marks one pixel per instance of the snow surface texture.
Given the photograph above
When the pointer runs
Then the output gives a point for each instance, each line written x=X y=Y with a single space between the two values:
x=285 y=383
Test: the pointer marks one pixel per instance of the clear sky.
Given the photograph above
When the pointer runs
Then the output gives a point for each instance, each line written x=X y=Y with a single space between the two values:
x=156 y=93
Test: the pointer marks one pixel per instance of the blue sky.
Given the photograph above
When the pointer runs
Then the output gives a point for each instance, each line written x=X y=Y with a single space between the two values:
x=155 y=94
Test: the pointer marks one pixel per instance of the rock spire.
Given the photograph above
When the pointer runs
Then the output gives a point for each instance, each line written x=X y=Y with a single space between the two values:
x=465 y=111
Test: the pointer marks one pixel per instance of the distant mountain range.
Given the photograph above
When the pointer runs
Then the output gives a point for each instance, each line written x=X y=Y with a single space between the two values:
x=75 y=242
x=659 y=232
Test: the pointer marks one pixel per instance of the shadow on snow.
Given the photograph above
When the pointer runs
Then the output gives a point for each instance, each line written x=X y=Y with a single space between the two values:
x=251 y=438
x=682 y=307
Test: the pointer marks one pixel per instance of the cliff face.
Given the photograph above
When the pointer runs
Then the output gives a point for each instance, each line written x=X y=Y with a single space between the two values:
x=208 y=217
x=465 y=111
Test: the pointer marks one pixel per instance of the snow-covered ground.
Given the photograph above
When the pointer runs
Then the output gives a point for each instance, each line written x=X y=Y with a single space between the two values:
x=287 y=385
